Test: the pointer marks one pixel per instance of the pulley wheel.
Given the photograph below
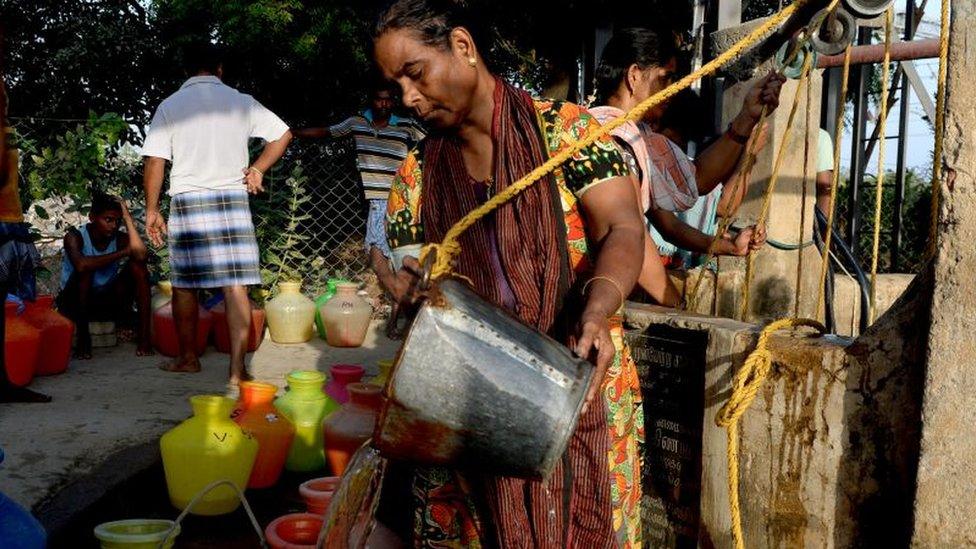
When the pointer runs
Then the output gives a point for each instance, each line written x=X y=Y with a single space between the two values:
x=867 y=9
x=835 y=33
x=794 y=69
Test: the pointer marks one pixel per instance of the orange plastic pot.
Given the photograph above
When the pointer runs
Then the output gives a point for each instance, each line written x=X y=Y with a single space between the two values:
x=258 y=417
x=222 y=334
x=317 y=494
x=164 y=331
x=21 y=345
x=56 y=333
x=295 y=531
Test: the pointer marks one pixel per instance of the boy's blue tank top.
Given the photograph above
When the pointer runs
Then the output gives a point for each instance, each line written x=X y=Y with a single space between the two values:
x=102 y=277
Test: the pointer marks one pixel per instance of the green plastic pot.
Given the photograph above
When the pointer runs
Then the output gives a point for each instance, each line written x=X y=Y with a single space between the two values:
x=135 y=534
x=330 y=291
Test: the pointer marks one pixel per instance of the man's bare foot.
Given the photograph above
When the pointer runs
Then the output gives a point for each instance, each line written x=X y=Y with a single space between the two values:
x=82 y=353
x=180 y=365
x=125 y=335
x=393 y=330
x=144 y=346
x=237 y=377
x=11 y=393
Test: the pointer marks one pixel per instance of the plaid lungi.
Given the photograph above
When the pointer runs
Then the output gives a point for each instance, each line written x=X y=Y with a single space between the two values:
x=212 y=241
x=18 y=261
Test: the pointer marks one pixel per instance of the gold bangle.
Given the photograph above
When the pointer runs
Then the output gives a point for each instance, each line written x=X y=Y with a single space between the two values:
x=623 y=298
x=257 y=170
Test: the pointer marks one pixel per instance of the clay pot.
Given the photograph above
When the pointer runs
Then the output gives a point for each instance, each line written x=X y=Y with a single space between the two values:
x=317 y=493
x=346 y=430
x=295 y=531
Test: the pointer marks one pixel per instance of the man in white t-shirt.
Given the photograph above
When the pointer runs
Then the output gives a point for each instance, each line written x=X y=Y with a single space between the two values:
x=825 y=169
x=203 y=129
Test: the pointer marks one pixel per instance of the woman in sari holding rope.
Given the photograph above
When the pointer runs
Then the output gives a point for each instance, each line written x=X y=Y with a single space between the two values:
x=636 y=64
x=562 y=256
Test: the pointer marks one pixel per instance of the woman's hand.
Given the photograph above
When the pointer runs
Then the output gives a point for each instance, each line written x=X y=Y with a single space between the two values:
x=748 y=240
x=763 y=95
x=405 y=285
x=594 y=344
x=758 y=237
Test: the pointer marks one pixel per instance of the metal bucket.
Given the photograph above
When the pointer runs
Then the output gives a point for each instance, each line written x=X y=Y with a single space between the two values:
x=473 y=387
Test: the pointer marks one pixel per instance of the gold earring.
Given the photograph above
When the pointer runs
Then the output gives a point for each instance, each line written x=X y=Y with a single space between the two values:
x=472 y=61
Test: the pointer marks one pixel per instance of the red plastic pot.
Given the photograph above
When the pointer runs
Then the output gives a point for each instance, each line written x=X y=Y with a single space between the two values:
x=21 y=346
x=222 y=335
x=295 y=531
x=56 y=333
x=164 y=331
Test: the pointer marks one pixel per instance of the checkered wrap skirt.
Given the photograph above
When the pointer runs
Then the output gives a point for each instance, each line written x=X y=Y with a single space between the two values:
x=211 y=240
x=18 y=260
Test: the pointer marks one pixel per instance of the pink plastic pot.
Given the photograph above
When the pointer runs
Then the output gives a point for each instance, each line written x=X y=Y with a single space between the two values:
x=317 y=493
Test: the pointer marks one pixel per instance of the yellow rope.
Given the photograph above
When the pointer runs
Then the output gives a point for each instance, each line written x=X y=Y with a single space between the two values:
x=773 y=179
x=879 y=179
x=746 y=383
x=939 y=127
x=824 y=260
x=450 y=247
x=803 y=201
x=740 y=179
x=747 y=165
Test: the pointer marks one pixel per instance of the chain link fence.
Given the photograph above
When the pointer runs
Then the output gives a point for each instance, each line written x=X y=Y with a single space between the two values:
x=310 y=222
x=319 y=185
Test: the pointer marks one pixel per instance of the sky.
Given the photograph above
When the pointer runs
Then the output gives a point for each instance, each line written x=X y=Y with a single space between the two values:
x=919 y=135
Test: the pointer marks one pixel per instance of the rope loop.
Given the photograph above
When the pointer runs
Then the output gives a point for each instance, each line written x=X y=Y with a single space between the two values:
x=746 y=383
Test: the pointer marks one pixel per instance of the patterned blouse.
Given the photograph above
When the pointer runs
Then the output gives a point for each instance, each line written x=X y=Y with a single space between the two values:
x=562 y=124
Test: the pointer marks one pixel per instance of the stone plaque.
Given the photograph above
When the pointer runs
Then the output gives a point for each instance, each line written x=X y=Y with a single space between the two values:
x=671 y=364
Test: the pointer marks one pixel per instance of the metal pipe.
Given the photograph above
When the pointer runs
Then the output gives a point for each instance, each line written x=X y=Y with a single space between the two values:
x=874 y=53
x=911 y=27
x=857 y=150
x=900 y=170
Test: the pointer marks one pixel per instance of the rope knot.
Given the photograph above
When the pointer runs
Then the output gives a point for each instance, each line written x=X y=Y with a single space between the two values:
x=745 y=386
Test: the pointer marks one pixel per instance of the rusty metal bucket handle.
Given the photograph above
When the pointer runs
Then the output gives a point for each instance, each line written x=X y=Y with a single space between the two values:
x=427 y=270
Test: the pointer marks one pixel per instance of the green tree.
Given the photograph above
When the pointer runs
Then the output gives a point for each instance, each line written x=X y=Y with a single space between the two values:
x=915 y=220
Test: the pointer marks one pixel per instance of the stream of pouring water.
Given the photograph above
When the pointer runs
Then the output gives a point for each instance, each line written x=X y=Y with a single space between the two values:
x=351 y=515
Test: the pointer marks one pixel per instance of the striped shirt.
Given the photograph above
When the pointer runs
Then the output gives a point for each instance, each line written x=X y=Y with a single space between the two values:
x=379 y=151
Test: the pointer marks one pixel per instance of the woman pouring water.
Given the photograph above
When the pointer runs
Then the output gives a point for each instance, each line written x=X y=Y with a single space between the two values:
x=561 y=257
